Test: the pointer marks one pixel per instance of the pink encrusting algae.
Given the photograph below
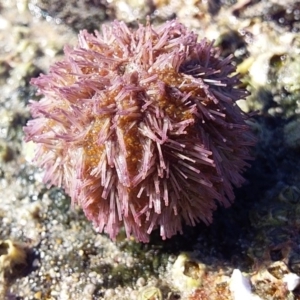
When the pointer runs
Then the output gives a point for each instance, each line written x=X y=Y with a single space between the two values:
x=141 y=128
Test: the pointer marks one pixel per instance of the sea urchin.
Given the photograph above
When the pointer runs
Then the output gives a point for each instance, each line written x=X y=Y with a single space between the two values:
x=141 y=128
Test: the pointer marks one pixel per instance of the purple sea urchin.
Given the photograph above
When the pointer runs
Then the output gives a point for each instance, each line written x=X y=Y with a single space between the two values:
x=141 y=128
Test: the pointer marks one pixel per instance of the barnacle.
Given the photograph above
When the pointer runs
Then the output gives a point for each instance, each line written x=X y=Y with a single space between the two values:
x=11 y=255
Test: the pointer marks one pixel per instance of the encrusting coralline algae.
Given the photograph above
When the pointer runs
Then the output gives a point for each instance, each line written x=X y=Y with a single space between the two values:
x=141 y=128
